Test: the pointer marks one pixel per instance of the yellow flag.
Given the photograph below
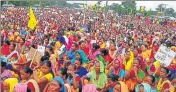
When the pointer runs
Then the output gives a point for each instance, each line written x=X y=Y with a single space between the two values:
x=32 y=22
x=142 y=8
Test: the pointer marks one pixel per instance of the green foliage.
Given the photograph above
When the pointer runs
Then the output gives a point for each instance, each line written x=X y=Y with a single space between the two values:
x=124 y=8
x=42 y=3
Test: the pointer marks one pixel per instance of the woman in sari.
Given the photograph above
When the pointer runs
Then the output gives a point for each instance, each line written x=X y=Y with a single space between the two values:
x=80 y=55
x=94 y=52
x=151 y=81
x=43 y=75
x=97 y=76
x=62 y=72
x=120 y=87
x=56 y=85
x=145 y=52
x=135 y=75
x=84 y=47
x=80 y=70
x=31 y=84
x=117 y=68
x=5 y=50
x=112 y=50
x=106 y=56
x=5 y=73
x=9 y=84
x=128 y=61
x=143 y=87
x=90 y=65
x=164 y=83
x=21 y=45
x=102 y=43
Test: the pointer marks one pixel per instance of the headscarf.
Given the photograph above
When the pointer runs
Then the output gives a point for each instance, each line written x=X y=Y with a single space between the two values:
x=89 y=88
x=11 y=82
x=58 y=45
x=117 y=59
x=61 y=39
x=147 y=87
x=129 y=63
x=100 y=83
x=82 y=55
x=124 y=87
x=100 y=58
x=70 y=41
x=36 y=86
x=21 y=87
x=61 y=81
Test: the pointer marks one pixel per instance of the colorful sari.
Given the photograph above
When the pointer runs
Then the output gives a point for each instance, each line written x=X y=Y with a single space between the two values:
x=124 y=87
x=82 y=55
x=132 y=82
x=89 y=88
x=100 y=83
x=70 y=41
x=163 y=85
x=21 y=87
x=71 y=54
x=48 y=76
x=128 y=64
x=82 y=71
x=6 y=74
x=147 y=87
x=146 y=54
x=32 y=85
x=118 y=70
x=10 y=82
x=5 y=50
x=93 y=54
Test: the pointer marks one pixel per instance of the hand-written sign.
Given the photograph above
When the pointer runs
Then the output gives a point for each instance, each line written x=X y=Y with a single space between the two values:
x=35 y=55
x=165 y=55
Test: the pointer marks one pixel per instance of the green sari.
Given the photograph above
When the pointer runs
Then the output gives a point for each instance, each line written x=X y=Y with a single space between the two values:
x=101 y=82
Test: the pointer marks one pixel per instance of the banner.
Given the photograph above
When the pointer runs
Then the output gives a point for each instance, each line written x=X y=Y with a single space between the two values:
x=165 y=55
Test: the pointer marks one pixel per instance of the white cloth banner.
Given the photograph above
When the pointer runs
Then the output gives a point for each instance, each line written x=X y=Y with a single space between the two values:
x=165 y=55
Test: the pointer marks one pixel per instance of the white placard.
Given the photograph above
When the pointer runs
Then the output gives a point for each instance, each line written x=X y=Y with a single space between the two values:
x=41 y=49
x=93 y=41
x=2 y=16
x=165 y=55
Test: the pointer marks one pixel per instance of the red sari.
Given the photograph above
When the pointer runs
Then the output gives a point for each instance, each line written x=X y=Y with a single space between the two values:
x=5 y=50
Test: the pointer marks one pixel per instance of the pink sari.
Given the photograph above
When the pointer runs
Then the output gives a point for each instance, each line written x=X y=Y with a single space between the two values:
x=93 y=55
x=70 y=41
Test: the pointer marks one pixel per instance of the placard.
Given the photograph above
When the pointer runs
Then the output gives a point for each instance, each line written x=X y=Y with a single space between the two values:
x=41 y=49
x=165 y=55
x=35 y=55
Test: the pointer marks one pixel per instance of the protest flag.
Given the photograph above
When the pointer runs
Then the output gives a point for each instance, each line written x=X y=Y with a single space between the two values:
x=32 y=22
x=142 y=8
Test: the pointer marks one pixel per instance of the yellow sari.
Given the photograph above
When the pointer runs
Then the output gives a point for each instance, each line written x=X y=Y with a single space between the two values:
x=129 y=63
x=10 y=82
x=160 y=85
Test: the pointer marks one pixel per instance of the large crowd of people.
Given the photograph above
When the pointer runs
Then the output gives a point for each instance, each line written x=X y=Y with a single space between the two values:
x=85 y=51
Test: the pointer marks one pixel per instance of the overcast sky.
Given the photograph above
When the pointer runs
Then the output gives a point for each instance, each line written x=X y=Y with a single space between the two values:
x=148 y=4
